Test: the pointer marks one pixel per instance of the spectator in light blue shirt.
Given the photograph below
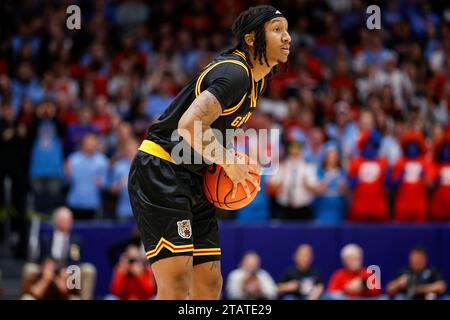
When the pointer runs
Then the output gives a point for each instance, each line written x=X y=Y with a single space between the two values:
x=47 y=160
x=25 y=85
x=258 y=209
x=77 y=130
x=344 y=130
x=330 y=204
x=119 y=180
x=86 y=171
x=390 y=148
x=161 y=97
x=315 y=146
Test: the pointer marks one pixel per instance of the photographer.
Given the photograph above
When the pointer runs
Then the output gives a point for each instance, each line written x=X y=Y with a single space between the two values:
x=66 y=248
x=48 y=284
x=132 y=278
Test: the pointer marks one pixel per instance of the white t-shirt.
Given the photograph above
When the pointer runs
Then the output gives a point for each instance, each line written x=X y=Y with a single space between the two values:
x=291 y=177
x=60 y=245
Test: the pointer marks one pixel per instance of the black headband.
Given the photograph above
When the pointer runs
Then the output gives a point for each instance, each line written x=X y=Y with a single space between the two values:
x=264 y=16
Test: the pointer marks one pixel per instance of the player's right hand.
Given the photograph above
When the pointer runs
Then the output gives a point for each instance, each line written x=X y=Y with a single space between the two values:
x=239 y=173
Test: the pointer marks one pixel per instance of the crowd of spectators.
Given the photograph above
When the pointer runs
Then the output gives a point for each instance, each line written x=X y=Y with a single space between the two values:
x=302 y=281
x=362 y=115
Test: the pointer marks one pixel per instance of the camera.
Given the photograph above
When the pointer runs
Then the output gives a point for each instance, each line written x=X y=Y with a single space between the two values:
x=132 y=260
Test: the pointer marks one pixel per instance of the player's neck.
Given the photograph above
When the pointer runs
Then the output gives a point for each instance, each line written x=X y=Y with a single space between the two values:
x=259 y=71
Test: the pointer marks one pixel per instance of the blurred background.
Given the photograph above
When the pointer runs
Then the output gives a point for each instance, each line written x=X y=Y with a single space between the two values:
x=363 y=137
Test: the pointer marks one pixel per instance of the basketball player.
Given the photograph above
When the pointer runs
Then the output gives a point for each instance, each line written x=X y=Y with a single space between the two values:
x=177 y=224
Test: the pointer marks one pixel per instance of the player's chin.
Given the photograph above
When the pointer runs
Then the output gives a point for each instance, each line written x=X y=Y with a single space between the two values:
x=283 y=59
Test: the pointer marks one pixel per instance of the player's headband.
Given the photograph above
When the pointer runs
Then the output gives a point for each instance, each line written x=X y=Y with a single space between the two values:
x=263 y=17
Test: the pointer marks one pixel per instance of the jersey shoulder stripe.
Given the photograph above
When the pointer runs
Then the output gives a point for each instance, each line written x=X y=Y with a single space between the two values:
x=212 y=66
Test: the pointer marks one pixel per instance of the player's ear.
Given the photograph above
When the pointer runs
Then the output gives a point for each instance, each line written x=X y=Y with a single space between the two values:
x=250 y=39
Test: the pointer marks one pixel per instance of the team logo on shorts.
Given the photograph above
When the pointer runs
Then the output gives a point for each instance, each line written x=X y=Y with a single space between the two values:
x=184 y=229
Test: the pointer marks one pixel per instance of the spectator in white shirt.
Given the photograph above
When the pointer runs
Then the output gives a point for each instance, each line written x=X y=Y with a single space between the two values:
x=294 y=183
x=398 y=80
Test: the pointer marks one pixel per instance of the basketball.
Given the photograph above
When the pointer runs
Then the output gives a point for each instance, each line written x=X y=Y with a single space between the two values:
x=218 y=188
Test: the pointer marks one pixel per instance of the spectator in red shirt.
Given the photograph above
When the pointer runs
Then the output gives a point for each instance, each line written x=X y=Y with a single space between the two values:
x=132 y=279
x=367 y=179
x=440 y=198
x=351 y=281
x=410 y=178
x=102 y=114
x=129 y=56
x=341 y=78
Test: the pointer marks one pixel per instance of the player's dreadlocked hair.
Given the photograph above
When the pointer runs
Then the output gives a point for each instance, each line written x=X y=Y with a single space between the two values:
x=260 y=35
x=253 y=19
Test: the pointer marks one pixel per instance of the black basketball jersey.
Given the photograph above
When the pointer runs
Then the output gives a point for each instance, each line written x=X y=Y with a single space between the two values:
x=230 y=79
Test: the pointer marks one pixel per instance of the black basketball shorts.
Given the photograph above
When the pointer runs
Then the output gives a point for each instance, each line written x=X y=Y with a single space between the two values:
x=173 y=216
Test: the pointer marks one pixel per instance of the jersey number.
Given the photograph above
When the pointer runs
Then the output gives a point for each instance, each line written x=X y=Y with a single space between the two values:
x=240 y=120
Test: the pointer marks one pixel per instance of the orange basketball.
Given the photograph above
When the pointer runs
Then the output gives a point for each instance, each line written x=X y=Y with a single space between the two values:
x=218 y=187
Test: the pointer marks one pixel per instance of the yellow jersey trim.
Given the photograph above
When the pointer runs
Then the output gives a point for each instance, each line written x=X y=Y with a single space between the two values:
x=205 y=72
x=163 y=243
x=156 y=150
x=198 y=84
x=207 y=252
x=233 y=109
x=253 y=97
x=240 y=54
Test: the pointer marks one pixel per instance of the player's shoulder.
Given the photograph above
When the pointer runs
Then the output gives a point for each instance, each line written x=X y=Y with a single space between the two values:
x=228 y=72
x=234 y=61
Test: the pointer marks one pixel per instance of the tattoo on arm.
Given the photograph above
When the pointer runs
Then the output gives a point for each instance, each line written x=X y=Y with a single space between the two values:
x=204 y=110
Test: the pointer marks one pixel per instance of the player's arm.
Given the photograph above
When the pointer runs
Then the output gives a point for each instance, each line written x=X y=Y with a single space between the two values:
x=203 y=111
